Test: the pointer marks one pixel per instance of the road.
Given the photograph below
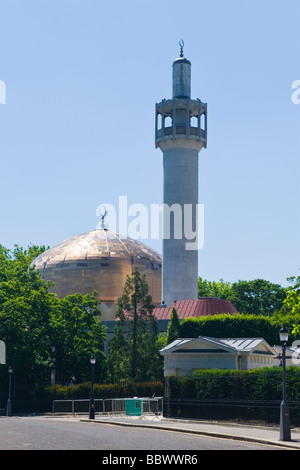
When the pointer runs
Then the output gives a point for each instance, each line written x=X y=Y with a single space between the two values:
x=48 y=433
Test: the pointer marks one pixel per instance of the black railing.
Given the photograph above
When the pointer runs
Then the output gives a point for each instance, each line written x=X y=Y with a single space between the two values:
x=245 y=411
x=264 y=412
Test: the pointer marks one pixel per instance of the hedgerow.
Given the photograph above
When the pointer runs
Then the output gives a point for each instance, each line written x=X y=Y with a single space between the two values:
x=259 y=384
x=238 y=326
x=104 y=391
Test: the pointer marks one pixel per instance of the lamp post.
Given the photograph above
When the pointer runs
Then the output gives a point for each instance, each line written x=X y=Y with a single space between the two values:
x=9 y=408
x=92 y=402
x=285 y=431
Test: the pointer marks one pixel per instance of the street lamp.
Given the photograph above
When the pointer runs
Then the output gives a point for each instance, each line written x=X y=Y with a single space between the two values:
x=92 y=402
x=285 y=431
x=9 y=408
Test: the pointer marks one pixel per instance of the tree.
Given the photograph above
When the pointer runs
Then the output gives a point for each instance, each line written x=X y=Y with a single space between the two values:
x=161 y=343
x=42 y=331
x=173 y=331
x=257 y=297
x=24 y=314
x=76 y=334
x=118 y=364
x=220 y=289
x=292 y=303
x=139 y=330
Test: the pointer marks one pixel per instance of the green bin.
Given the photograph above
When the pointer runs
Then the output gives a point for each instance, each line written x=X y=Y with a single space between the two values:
x=133 y=406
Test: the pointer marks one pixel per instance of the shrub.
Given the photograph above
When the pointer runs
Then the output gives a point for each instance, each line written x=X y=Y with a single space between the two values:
x=259 y=384
x=121 y=390
x=235 y=326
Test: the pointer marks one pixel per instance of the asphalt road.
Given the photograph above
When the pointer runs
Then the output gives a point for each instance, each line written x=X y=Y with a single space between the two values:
x=47 y=433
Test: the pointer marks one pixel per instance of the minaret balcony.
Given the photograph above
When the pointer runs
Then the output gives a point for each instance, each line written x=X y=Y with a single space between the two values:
x=181 y=118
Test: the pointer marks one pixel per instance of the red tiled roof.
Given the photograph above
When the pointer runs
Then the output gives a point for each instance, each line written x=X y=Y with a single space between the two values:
x=196 y=308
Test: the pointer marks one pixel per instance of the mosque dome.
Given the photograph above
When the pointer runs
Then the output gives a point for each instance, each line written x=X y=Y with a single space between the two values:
x=99 y=260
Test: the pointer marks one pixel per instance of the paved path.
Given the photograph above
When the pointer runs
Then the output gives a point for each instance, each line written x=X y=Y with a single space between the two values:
x=251 y=433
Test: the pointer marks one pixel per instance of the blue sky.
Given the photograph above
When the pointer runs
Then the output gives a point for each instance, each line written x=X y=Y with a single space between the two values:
x=82 y=78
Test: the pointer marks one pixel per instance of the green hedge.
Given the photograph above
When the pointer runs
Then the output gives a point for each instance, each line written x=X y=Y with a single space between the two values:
x=238 y=326
x=123 y=390
x=259 y=384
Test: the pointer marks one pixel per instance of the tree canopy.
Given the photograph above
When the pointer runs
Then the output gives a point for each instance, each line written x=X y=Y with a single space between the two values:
x=292 y=301
x=41 y=331
x=255 y=297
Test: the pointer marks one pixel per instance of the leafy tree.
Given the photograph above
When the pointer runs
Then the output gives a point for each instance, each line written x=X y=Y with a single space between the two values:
x=76 y=334
x=220 y=289
x=33 y=322
x=292 y=303
x=24 y=314
x=139 y=330
x=161 y=343
x=257 y=297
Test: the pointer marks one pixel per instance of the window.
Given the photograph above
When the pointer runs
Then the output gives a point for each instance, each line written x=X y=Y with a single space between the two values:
x=194 y=121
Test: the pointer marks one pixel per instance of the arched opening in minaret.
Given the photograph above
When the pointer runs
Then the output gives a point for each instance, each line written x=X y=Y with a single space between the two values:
x=168 y=121
x=202 y=121
x=194 y=121
x=159 y=121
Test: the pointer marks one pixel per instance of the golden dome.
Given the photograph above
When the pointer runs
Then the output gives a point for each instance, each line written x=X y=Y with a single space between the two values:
x=99 y=260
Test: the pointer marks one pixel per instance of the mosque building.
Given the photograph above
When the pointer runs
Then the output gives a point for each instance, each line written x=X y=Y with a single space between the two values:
x=101 y=259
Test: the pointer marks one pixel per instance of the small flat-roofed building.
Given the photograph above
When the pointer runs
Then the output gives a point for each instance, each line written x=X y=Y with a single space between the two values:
x=186 y=355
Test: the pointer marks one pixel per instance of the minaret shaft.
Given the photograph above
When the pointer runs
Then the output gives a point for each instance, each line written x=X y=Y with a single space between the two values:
x=180 y=133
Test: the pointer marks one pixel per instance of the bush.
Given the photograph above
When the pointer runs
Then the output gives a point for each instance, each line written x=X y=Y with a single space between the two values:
x=236 y=326
x=259 y=384
x=104 y=391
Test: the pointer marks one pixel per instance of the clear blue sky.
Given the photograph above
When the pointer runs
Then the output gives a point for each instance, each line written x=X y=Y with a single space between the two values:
x=82 y=79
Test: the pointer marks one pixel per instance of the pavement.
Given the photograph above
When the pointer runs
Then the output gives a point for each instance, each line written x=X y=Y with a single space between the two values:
x=250 y=433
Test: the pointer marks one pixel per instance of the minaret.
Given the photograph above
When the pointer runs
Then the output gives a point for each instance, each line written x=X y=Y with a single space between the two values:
x=180 y=133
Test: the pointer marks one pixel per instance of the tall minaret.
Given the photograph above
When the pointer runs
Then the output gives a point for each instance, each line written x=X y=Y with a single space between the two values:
x=180 y=133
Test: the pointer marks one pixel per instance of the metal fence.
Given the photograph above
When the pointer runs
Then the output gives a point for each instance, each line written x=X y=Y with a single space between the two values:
x=105 y=406
x=266 y=412
x=75 y=406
